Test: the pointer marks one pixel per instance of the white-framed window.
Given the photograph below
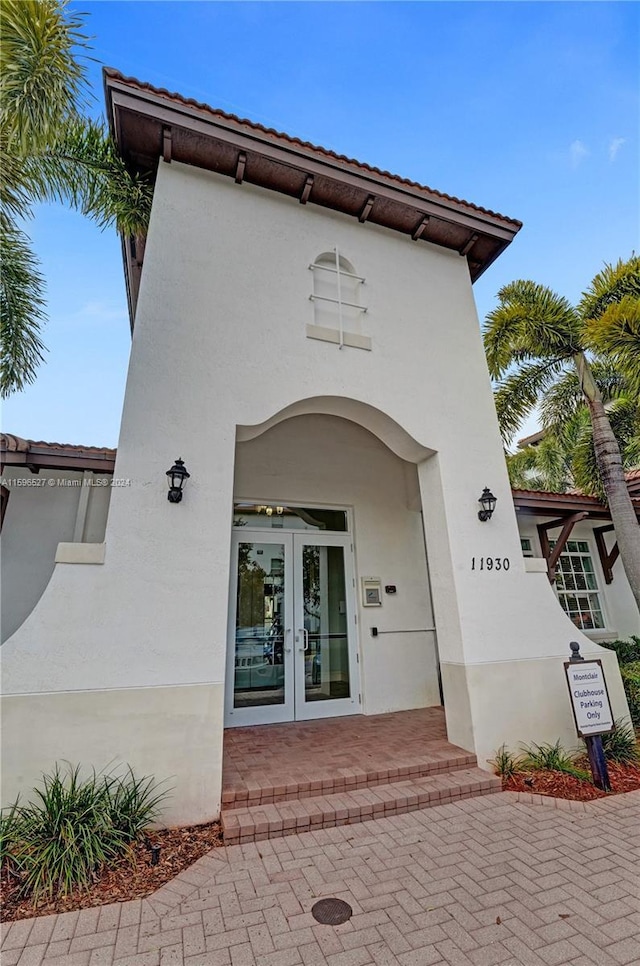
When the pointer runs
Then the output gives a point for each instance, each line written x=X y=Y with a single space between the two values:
x=338 y=307
x=577 y=585
x=527 y=548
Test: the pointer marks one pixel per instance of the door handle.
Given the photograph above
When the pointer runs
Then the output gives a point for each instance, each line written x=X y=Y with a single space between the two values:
x=306 y=638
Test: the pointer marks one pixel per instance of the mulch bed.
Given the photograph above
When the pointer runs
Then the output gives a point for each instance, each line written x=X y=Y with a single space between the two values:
x=624 y=778
x=133 y=877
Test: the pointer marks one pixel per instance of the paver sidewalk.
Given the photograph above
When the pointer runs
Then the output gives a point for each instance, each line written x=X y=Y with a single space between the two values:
x=503 y=879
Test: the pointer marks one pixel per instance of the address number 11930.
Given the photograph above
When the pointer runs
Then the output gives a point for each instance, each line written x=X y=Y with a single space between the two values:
x=490 y=563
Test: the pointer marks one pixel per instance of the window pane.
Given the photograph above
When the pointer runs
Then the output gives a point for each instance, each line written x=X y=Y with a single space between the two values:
x=289 y=518
x=576 y=572
x=326 y=659
x=259 y=668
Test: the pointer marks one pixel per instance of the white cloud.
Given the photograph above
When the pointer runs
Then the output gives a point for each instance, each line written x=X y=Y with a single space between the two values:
x=614 y=146
x=578 y=151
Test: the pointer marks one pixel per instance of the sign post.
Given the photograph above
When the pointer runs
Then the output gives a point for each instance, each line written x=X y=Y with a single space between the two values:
x=591 y=710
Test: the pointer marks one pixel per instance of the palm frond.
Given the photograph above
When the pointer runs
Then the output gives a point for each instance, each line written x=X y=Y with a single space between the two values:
x=522 y=470
x=21 y=310
x=624 y=417
x=82 y=166
x=42 y=78
x=616 y=333
x=610 y=286
x=518 y=393
x=530 y=322
x=565 y=398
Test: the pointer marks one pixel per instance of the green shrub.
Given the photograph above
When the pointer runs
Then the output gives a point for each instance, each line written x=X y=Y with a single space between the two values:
x=505 y=763
x=628 y=651
x=133 y=803
x=59 y=841
x=631 y=681
x=621 y=744
x=552 y=757
x=8 y=838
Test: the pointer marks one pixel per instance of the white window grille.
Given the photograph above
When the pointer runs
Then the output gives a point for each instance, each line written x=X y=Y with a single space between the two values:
x=337 y=302
x=577 y=585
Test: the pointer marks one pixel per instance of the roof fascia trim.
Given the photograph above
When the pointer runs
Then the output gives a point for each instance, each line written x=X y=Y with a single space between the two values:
x=153 y=105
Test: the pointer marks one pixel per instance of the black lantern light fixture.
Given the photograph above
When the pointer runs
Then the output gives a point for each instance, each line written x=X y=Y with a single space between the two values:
x=488 y=503
x=176 y=479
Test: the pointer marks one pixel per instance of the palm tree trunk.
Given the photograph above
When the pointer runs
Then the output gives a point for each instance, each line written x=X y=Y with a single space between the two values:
x=609 y=461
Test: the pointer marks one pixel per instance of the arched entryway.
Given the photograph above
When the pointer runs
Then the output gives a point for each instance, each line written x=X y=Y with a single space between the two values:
x=330 y=611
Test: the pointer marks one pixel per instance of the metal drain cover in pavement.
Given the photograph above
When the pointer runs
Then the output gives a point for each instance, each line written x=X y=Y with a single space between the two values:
x=331 y=912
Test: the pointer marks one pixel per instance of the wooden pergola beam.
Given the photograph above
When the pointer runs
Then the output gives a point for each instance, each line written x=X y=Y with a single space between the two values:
x=607 y=557
x=552 y=556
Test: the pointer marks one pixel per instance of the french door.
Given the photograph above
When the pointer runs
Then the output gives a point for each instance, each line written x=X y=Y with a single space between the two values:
x=292 y=640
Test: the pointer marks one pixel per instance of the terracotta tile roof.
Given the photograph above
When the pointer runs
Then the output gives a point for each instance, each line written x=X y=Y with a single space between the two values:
x=569 y=495
x=16 y=444
x=279 y=136
x=36 y=454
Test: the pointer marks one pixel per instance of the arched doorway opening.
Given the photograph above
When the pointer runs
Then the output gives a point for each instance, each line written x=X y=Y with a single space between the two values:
x=330 y=610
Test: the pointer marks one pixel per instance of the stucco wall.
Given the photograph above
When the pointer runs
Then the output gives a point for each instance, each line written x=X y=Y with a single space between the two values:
x=42 y=512
x=220 y=343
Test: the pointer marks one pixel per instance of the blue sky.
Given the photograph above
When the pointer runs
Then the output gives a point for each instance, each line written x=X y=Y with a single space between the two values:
x=530 y=109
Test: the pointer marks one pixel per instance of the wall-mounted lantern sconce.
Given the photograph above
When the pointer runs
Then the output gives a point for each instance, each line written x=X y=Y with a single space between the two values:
x=488 y=503
x=176 y=479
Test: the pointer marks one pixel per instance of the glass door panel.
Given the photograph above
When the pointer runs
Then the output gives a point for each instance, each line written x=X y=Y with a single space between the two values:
x=260 y=630
x=292 y=651
x=324 y=628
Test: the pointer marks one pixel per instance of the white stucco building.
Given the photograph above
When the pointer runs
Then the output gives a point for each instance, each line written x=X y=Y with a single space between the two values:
x=305 y=338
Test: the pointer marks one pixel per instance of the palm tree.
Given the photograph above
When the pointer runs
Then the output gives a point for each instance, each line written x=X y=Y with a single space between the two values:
x=611 y=309
x=533 y=339
x=49 y=151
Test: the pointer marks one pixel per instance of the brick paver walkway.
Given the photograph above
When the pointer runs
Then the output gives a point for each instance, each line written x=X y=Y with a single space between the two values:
x=299 y=758
x=503 y=879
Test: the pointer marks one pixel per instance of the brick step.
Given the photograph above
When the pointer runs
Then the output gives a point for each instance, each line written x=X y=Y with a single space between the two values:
x=256 y=822
x=268 y=790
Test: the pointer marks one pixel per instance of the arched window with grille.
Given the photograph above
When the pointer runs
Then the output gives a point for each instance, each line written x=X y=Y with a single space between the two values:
x=338 y=307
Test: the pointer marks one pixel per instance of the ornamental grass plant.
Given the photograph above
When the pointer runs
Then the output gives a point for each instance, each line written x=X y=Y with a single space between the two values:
x=75 y=825
x=505 y=763
x=621 y=744
x=552 y=758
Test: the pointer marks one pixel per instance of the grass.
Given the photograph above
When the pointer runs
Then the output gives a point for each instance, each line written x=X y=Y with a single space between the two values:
x=552 y=758
x=505 y=763
x=73 y=827
x=621 y=744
